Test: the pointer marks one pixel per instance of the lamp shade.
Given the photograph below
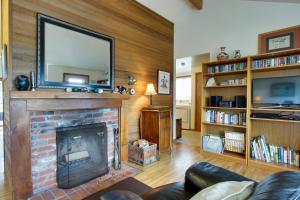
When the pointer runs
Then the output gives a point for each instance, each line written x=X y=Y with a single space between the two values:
x=150 y=89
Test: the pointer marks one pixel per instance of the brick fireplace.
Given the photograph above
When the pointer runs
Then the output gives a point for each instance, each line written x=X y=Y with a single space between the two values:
x=34 y=119
x=43 y=139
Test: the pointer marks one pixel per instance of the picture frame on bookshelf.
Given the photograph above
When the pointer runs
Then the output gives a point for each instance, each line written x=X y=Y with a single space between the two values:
x=278 y=40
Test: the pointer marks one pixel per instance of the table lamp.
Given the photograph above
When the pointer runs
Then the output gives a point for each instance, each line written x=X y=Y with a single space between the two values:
x=150 y=91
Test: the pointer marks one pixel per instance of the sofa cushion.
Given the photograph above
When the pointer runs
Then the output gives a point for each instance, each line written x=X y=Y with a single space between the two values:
x=202 y=175
x=229 y=190
x=173 y=191
x=282 y=185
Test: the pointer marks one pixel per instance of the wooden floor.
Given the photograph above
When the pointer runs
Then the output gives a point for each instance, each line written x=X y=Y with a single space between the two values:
x=172 y=167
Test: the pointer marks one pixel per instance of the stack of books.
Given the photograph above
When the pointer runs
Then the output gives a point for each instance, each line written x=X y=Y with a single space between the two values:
x=219 y=117
x=270 y=153
x=276 y=62
x=227 y=67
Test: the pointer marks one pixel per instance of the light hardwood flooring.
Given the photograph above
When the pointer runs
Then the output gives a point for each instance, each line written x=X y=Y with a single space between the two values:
x=190 y=137
x=172 y=167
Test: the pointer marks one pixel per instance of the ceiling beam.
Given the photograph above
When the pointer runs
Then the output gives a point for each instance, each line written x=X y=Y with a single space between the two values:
x=197 y=4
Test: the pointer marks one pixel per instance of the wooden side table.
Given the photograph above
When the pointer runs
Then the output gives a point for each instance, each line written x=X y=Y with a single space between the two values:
x=156 y=123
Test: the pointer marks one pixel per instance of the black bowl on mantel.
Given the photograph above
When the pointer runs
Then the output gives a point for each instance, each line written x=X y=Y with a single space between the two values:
x=22 y=83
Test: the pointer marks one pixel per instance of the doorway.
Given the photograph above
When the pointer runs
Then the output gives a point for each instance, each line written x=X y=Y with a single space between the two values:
x=188 y=98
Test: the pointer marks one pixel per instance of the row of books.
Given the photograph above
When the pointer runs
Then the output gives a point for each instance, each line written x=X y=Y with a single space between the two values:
x=273 y=62
x=260 y=150
x=242 y=81
x=227 y=67
x=220 y=117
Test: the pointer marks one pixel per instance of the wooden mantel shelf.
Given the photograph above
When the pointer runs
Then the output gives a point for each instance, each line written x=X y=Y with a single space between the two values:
x=65 y=95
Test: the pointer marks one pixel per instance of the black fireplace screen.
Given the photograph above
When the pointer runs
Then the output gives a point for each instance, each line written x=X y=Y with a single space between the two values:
x=81 y=154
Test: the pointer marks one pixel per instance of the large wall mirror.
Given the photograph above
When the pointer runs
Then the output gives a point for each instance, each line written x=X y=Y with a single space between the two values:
x=71 y=56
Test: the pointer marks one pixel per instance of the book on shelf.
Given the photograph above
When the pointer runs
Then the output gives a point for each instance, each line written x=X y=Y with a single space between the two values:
x=220 y=117
x=271 y=153
x=276 y=62
x=227 y=67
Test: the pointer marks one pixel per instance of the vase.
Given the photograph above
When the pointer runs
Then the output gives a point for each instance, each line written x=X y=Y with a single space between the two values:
x=22 y=82
x=222 y=55
x=237 y=54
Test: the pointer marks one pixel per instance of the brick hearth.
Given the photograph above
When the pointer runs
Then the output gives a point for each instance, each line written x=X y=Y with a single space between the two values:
x=43 y=139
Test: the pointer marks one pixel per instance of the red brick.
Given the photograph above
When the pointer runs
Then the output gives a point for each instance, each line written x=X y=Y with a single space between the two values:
x=47 y=195
x=37 y=119
x=37 y=197
x=46 y=148
x=58 y=193
x=47 y=136
x=75 y=196
x=54 y=117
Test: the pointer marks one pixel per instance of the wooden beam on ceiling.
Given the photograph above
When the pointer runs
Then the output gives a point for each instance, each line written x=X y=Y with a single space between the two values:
x=197 y=4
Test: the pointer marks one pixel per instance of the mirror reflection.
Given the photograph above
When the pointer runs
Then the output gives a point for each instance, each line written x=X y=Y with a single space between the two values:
x=73 y=57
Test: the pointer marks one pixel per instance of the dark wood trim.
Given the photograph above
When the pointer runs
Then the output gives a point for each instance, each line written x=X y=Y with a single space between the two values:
x=20 y=150
x=65 y=95
x=198 y=104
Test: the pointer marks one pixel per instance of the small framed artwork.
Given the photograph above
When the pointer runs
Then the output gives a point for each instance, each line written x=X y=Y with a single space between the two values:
x=280 y=42
x=283 y=39
x=163 y=84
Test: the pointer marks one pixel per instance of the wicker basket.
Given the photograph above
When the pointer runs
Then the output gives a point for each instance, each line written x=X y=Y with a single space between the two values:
x=235 y=142
x=142 y=156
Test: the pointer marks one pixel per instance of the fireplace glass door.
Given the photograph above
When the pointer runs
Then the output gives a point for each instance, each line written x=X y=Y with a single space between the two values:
x=81 y=154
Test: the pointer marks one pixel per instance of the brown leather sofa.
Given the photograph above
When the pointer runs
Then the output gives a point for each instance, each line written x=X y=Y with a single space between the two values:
x=280 y=186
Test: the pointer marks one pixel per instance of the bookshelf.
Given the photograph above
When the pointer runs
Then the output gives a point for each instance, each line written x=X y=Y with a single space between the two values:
x=279 y=132
x=223 y=72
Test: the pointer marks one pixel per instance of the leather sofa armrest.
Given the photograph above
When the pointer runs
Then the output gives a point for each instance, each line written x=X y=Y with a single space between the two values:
x=202 y=175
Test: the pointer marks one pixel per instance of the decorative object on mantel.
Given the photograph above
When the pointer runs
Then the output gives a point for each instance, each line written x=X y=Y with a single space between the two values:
x=22 y=83
x=131 y=81
x=237 y=54
x=150 y=91
x=117 y=159
x=163 y=82
x=222 y=55
x=4 y=62
x=122 y=89
x=278 y=40
x=33 y=81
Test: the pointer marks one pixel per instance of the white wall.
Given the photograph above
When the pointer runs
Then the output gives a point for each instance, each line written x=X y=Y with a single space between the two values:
x=231 y=23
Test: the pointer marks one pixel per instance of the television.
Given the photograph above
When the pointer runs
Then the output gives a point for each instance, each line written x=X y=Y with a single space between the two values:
x=277 y=91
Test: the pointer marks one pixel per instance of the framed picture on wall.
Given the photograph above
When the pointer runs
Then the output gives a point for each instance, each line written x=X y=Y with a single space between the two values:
x=283 y=39
x=163 y=82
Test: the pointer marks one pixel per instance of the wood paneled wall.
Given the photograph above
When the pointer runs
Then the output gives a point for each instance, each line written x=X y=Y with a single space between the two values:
x=143 y=44
x=144 y=41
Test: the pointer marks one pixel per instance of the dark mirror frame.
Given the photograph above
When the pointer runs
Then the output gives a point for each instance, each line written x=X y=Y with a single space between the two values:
x=41 y=82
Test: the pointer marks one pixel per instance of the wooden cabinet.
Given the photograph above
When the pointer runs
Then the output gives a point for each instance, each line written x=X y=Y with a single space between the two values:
x=156 y=127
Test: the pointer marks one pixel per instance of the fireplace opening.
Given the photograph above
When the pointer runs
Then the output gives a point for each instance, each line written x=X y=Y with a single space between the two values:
x=81 y=154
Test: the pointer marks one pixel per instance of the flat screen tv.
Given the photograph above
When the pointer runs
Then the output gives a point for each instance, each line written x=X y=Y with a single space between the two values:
x=276 y=91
